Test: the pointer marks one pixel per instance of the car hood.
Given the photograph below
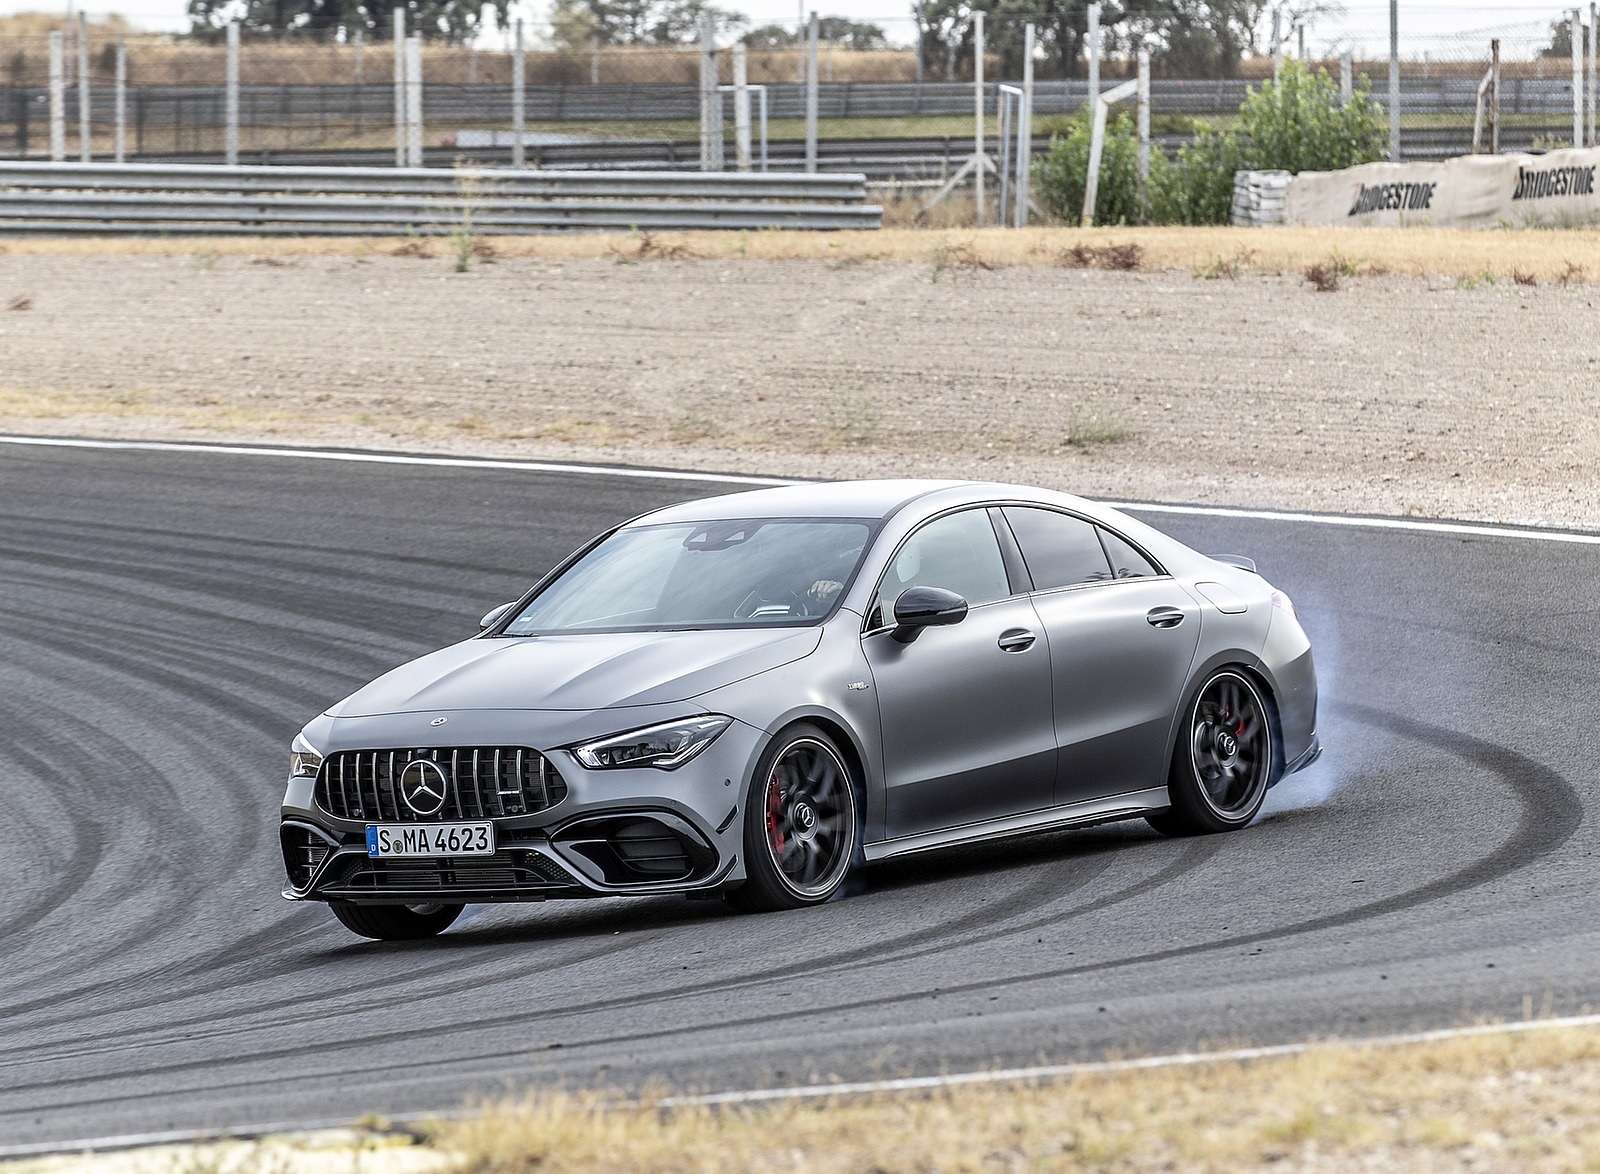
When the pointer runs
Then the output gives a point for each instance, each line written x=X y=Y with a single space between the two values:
x=578 y=672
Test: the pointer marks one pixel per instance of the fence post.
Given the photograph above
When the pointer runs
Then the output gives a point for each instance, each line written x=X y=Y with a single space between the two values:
x=1576 y=26
x=399 y=30
x=120 y=134
x=84 y=148
x=414 y=100
x=1594 y=44
x=519 y=91
x=1094 y=54
x=359 y=44
x=710 y=98
x=1144 y=134
x=1347 y=77
x=594 y=61
x=980 y=162
x=58 y=99
x=1025 y=128
x=811 y=93
x=1277 y=43
x=22 y=122
x=231 y=141
x=1494 y=96
x=1394 y=81
x=741 y=108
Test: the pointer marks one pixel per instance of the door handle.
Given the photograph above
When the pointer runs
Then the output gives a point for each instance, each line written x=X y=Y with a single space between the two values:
x=1016 y=640
x=1164 y=617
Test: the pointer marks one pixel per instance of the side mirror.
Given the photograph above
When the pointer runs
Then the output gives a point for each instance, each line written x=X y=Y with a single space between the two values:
x=495 y=616
x=925 y=607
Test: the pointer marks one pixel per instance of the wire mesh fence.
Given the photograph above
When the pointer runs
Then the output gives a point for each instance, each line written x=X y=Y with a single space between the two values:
x=897 y=103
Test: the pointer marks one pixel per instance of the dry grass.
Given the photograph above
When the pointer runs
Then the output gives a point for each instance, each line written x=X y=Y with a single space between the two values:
x=1561 y=257
x=1527 y=1102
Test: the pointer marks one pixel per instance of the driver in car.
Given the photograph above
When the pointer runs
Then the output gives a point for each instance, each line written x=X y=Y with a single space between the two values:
x=827 y=586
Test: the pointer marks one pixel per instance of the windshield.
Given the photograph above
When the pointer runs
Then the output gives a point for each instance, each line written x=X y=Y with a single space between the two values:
x=745 y=572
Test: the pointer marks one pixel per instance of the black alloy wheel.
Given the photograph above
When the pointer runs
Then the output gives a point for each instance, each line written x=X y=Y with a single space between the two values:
x=1224 y=759
x=801 y=824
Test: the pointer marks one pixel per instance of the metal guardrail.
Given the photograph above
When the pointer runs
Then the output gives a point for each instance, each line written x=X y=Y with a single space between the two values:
x=183 y=199
x=445 y=104
x=879 y=160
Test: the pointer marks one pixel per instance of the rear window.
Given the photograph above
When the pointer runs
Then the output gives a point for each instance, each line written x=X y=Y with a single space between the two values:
x=1060 y=550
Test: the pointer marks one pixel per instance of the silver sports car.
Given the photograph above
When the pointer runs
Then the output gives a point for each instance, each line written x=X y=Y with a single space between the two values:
x=748 y=696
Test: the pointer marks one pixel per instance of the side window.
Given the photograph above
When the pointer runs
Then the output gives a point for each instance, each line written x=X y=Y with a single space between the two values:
x=1060 y=550
x=958 y=552
x=1126 y=562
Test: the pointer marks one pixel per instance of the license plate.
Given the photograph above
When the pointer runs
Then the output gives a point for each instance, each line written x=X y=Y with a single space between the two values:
x=386 y=840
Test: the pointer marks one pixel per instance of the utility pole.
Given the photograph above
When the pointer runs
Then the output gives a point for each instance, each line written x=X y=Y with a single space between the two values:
x=1277 y=43
x=121 y=142
x=398 y=30
x=230 y=152
x=1494 y=96
x=1143 y=105
x=1394 y=81
x=58 y=98
x=1576 y=26
x=414 y=100
x=977 y=103
x=922 y=41
x=811 y=94
x=1094 y=55
x=741 y=108
x=518 y=97
x=84 y=109
x=1025 y=128
x=1594 y=44
x=710 y=98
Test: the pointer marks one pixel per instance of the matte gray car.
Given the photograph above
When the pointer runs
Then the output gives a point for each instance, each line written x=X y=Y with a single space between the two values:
x=748 y=696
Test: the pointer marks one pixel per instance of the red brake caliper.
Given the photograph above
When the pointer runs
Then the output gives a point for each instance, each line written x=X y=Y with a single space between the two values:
x=774 y=805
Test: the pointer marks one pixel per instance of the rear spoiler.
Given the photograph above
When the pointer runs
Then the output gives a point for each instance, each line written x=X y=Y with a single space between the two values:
x=1237 y=560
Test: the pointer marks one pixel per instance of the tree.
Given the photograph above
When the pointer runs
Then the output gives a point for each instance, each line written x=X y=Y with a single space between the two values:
x=1560 y=39
x=1185 y=36
x=834 y=30
x=451 y=20
x=636 y=22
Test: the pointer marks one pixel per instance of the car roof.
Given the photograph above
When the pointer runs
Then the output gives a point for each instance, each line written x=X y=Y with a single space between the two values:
x=822 y=499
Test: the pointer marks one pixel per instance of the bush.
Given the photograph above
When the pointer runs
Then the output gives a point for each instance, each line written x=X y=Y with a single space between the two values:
x=1059 y=176
x=1299 y=125
x=1197 y=186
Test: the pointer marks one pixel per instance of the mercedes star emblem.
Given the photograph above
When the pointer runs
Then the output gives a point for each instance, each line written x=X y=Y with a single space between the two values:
x=422 y=786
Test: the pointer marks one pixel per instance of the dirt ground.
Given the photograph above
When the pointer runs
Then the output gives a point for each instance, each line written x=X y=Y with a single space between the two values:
x=1392 y=395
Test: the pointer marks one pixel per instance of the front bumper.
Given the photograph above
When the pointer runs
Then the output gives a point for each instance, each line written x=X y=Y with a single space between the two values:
x=616 y=832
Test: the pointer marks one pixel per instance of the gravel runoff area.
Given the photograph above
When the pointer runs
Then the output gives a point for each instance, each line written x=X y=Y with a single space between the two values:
x=1389 y=395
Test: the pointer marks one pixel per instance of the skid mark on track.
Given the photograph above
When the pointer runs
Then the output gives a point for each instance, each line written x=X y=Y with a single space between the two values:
x=1551 y=813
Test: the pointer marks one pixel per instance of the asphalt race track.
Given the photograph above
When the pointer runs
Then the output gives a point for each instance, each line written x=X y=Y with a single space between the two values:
x=168 y=620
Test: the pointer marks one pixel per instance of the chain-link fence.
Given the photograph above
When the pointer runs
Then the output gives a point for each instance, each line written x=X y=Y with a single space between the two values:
x=898 y=103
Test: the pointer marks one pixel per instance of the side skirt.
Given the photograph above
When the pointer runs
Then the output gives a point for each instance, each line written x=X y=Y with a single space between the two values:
x=1129 y=805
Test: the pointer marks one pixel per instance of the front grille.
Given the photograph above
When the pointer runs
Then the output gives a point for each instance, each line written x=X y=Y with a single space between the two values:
x=505 y=871
x=481 y=782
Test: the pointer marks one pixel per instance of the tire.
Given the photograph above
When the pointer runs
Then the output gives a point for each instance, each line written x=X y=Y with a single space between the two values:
x=1224 y=761
x=396 y=923
x=802 y=824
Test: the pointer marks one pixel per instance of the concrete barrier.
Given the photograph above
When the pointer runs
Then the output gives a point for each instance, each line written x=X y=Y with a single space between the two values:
x=1554 y=190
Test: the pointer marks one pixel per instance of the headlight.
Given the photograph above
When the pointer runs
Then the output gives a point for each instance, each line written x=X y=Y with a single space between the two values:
x=666 y=746
x=304 y=758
